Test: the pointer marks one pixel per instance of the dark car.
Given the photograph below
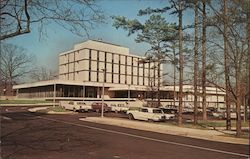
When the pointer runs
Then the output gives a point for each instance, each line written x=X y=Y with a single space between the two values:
x=98 y=107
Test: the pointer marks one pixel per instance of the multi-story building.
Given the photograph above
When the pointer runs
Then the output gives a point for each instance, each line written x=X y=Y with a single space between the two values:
x=95 y=65
x=95 y=61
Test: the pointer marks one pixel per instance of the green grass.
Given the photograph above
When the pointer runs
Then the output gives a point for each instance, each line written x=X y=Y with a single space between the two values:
x=22 y=101
x=57 y=109
x=54 y=109
x=221 y=123
x=184 y=125
x=243 y=135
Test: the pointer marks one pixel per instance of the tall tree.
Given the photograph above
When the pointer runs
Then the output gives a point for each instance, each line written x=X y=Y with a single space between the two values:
x=78 y=16
x=246 y=9
x=235 y=53
x=204 y=43
x=174 y=62
x=196 y=61
x=15 y=63
x=42 y=73
x=177 y=7
x=226 y=68
x=157 y=33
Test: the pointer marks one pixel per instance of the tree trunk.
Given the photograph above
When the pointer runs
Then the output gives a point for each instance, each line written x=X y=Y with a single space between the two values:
x=228 y=120
x=238 y=100
x=248 y=42
x=174 y=75
x=159 y=83
x=181 y=58
x=196 y=62
x=204 y=21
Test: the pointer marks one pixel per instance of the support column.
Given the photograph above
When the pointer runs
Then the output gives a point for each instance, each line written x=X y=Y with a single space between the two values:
x=54 y=95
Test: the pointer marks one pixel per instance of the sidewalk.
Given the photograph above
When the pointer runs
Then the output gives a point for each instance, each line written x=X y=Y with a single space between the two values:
x=211 y=135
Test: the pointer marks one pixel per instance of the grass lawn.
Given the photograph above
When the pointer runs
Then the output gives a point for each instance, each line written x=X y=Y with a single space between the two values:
x=185 y=125
x=23 y=101
x=221 y=123
x=54 y=109
x=244 y=135
x=57 y=109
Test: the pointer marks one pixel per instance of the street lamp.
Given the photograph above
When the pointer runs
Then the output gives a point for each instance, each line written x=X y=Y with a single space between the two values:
x=103 y=92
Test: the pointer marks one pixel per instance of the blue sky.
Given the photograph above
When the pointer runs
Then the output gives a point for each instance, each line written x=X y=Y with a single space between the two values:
x=58 y=40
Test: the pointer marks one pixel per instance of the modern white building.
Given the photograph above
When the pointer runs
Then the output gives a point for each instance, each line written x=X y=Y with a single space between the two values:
x=93 y=65
x=96 y=61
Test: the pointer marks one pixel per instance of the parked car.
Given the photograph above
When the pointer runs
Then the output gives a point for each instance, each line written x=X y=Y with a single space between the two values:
x=147 y=114
x=218 y=114
x=233 y=115
x=119 y=108
x=169 y=113
x=76 y=106
x=97 y=106
x=187 y=110
x=172 y=107
x=211 y=110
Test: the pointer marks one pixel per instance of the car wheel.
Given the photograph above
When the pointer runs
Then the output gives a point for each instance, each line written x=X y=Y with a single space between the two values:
x=150 y=120
x=131 y=117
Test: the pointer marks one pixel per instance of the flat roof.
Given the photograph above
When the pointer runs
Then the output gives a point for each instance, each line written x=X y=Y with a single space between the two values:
x=115 y=87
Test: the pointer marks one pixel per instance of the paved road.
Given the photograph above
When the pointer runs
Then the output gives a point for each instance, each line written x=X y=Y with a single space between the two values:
x=27 y=135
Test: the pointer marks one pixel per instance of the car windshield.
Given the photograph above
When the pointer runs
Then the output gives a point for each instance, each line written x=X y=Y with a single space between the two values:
x=157 y=111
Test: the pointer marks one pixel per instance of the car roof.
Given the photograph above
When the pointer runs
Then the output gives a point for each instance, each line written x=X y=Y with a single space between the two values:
x=149 y=108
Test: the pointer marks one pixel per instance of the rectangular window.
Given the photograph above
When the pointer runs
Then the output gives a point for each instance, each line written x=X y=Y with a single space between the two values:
x=132 y=71
x=119 y=73
x=74 y=77
x=112 y=78
x=97 y=69
x=149 y=79
x=68 y=65
x=143 y=71
x=89 y=64
x=138 y=71
x=126 y=60
x=105 y=67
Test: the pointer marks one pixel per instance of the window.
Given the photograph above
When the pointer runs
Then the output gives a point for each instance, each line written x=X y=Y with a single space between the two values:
x=89 y=64
x=98 y=61
x=144 y=110
x=132 y=71
x=157 y=111
x=105 y=66
x=119 y=81
x=112 y=78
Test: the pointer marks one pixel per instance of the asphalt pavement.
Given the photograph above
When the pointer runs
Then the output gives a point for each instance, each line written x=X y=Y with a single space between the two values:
x=27 y=135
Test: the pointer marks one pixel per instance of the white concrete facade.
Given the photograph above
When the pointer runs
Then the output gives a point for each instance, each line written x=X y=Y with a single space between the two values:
x=96 y=61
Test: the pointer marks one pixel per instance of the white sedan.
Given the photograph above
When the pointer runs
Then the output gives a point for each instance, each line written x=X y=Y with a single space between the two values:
x=75 y=106
x=147 y=114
